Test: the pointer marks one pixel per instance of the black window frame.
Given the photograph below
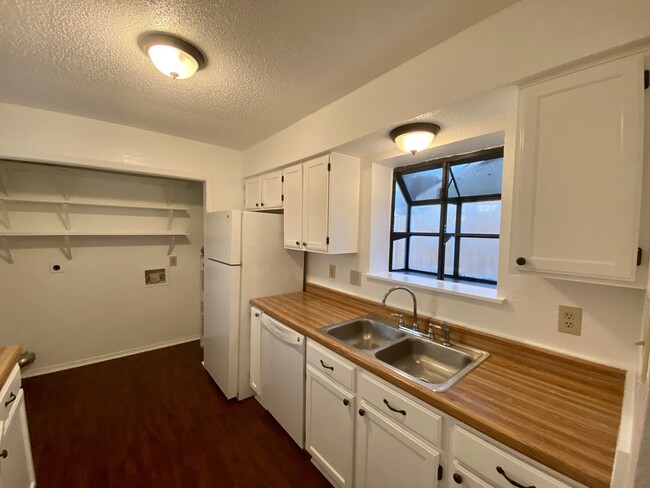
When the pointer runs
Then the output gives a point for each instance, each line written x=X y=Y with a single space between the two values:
x=443 y=235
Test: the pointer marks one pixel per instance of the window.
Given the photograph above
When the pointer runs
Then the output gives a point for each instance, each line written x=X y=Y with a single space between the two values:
x=446 y=215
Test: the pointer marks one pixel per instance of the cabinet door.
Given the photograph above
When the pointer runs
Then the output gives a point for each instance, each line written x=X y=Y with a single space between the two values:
x=329 y=426
x=252 y=193
x=386 y=454
x=315 y=219
x=578 y=179
x=293 y=207
x=256 y=351
x=17 y=469
x=272 y=190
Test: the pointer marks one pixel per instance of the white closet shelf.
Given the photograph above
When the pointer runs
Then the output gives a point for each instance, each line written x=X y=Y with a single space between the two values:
x=88 y=203
x=92 y=233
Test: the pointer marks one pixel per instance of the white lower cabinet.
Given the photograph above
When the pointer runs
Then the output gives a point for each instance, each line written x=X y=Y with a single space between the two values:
x=387 y=455
x=364 y=432
x=329 y=427
x=16 y=466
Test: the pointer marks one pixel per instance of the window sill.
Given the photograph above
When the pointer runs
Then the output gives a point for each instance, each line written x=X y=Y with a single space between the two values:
x=465 y=290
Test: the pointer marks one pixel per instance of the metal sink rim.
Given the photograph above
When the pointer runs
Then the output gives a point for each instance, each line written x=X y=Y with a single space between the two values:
x=478 y=355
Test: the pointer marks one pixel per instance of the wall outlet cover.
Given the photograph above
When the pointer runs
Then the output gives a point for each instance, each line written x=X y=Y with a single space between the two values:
x=569 y=320
x=355 y=277
x=173 y=260
x=56 y=268
x=332 y=271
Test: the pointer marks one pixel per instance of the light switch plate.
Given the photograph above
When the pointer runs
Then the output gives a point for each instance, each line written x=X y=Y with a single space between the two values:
x=332 y=271
x=173 y=260
x=355 y=277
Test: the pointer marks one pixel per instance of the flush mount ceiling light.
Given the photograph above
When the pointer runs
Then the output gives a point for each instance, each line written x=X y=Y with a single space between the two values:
x=414 y=137
x=171 y=55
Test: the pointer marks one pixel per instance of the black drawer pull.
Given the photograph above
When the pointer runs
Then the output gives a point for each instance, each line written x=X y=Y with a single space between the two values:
x=362 y=412
x=458 y=479
x=4 y=454
x=403 y=412
x=326 y=366
x=346 y=402
x=521 y=261
x=12 y=398
x=511 y=481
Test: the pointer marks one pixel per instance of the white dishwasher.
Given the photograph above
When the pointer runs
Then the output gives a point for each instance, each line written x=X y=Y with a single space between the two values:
x=282 y=376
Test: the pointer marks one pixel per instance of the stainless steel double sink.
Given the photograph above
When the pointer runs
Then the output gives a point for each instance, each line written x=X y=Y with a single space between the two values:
x=425 y=361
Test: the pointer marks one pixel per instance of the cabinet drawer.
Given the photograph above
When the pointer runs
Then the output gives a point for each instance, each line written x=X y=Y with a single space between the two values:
x=331 y=364
x=406 y=412
x=494 y=465
x=466 y=479
x=9 y=392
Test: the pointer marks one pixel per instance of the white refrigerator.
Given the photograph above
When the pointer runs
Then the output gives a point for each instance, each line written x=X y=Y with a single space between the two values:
x=244 y=258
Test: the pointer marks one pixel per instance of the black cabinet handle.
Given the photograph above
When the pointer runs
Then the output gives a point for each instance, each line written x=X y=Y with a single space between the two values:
x=12 y=398
x=257 y=204
x=403 y=412
x=521 y=261
x=297 y=243
x=326 y=366
x=346 y=402
x=511 y=481
x=304 y=244
x=458 y=478
x=262 y=204
x=257 y=314
x=4 y=454
x=362 y=412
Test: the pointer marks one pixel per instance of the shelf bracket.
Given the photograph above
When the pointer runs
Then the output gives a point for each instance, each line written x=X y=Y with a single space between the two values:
x=67 y=248
x=65 y=216
x=4 y=185
x=170 y=194
x=66 y=185
x=171 y=220
x=4 y=215
x=6 y=255
x=172 y=244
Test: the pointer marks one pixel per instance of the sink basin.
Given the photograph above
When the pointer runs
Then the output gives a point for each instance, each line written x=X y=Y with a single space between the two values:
x=431 y=364
x=415 y=357
x=364 y=333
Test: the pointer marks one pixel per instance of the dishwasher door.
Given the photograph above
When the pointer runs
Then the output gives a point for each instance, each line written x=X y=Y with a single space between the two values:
x=283 y=376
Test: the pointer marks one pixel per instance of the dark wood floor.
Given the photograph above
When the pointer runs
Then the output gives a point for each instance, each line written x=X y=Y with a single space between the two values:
x=155 y=420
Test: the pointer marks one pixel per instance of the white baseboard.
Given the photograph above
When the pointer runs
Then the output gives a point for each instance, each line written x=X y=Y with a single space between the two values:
x=29 y=371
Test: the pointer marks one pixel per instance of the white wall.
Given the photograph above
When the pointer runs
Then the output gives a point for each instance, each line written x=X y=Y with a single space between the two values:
x=39 y=135
x=611 y=315
x=527 y=38
x=98 y=306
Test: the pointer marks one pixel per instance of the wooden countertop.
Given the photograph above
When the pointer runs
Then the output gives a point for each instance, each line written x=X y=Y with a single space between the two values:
x=8 y=358
x=561 y=411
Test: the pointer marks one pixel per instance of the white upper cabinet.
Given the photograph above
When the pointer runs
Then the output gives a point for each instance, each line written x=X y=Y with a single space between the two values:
x=252 y=193
x=263 y=192
x=321 y=205
x=576 y=213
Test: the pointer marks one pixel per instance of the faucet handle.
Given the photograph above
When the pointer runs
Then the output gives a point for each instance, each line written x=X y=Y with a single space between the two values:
x=401 y=319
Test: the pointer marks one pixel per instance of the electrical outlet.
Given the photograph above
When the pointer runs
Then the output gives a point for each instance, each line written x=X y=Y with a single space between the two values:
x=173 y=260
x=56 y=268
x=332 y=271
x=569 y=320
x=355 y=277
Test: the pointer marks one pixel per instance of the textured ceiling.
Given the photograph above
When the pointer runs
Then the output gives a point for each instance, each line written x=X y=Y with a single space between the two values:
x=270 y=62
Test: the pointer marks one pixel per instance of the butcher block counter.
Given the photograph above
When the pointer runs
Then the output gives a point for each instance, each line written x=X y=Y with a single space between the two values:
x=561 y=411
x=8 y=358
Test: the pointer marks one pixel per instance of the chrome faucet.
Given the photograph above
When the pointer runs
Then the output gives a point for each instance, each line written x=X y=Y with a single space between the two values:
x=415 y=304
x=445 y=332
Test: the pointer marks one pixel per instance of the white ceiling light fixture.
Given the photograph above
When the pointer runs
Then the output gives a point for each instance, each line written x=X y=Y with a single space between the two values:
x=414 y=137
x=171 y=55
